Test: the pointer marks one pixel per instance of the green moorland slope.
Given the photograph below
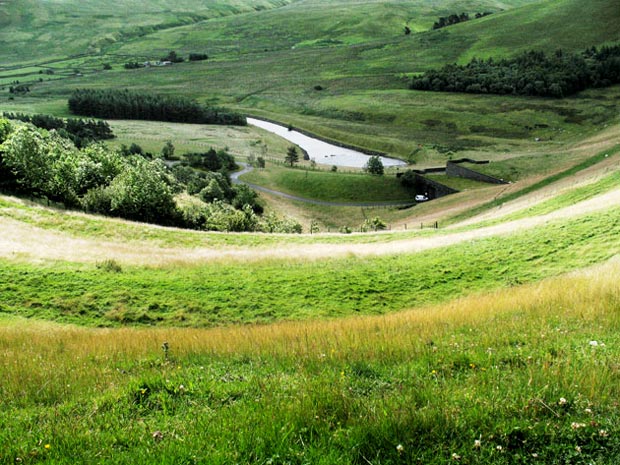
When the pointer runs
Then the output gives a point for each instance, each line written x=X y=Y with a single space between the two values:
x=32 y=31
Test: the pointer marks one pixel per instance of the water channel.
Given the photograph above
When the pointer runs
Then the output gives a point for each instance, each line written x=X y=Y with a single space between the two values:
x=320 y=151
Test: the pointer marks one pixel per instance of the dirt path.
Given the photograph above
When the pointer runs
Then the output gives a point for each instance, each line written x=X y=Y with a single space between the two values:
x=25 y=242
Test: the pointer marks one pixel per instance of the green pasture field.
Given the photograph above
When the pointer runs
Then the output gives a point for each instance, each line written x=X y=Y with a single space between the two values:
x=496 y=351
x=329 y=186
x=96 y=227
x=364 y=99
x=565 y=199
x=460 y=184
x=240 y=142
x=423 y=128
x=588 y=162
x=39 y=32
x=333 y=219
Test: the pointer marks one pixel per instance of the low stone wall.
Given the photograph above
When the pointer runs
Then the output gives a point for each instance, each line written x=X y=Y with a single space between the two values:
x=454 y=169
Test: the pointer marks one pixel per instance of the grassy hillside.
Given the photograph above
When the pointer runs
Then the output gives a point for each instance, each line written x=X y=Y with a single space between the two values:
x=524 y=375
x=35 y=31
x=494 y=342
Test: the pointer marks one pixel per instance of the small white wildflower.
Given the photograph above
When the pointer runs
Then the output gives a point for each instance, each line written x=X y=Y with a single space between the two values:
x=456 y=456
x=594 y=343
x=535 y=455
x=400 y=449
x=477 y=443
x=499 y=448
x=562 y=401
x=588 y=410
x=575 y=425
x=181 y=388
x=603 y=433
x=578 y=449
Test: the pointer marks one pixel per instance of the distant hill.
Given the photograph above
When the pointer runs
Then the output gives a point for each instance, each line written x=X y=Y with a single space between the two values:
x=32 y=30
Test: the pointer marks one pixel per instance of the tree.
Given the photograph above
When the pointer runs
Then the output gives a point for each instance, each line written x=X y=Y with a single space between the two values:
x=140 y=192
x=173 y=57
x=292 y=156
x=168 y=150
x=374 y=165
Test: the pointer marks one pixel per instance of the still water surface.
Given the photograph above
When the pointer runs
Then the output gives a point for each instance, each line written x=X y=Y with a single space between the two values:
x=320 y=151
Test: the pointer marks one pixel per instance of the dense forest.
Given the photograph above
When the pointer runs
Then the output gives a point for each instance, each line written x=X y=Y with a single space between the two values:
x=81 y=132
x=530 y=73
x=125 y=104
x=96 y=179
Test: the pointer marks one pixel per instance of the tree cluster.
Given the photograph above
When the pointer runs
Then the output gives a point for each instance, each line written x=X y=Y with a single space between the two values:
x=80 y=131
x=212 y=160
x=99 y=180
x=173 y=57
x=19 y=89
x=125 y=104
x=198 y=56
x=530 y=73
x=456 y=18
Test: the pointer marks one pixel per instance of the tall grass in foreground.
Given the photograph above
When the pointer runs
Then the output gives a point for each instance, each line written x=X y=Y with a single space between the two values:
x=523 y=375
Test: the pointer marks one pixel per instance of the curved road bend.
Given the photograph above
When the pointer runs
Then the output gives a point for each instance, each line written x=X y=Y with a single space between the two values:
x=247 y=168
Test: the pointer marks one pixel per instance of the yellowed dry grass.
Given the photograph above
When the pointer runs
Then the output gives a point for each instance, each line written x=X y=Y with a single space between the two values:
x=585 y=295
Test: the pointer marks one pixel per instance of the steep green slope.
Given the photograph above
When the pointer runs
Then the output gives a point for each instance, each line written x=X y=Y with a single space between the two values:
x=566 y=24
x=34 y=30
x=315 y=23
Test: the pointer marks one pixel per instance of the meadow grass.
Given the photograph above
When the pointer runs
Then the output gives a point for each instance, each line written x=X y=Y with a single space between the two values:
x=564 y=199
x=329 y=186
x=229 y=292
x=257 y=67
x=79 y=225
x=55 y=33
x=521 y=375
